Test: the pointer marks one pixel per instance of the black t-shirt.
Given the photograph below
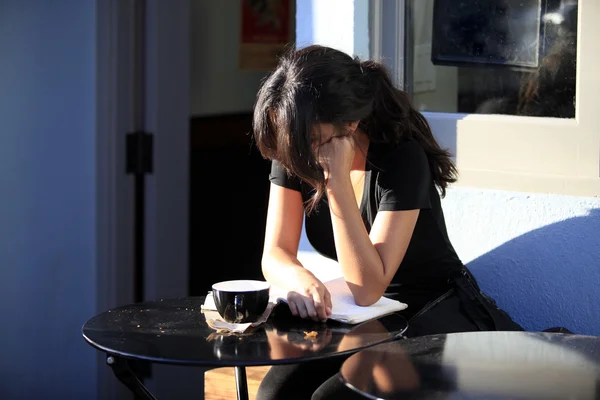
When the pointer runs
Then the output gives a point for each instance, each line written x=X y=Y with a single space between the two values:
x=396 y=178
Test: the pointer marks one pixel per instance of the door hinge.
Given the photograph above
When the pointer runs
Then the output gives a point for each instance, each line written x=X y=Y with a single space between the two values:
x=138 y=153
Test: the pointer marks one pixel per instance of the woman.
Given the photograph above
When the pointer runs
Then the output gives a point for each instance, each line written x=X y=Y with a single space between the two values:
x=351 y=155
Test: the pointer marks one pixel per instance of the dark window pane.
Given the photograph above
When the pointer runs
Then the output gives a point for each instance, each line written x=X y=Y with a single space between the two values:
x=514 y=57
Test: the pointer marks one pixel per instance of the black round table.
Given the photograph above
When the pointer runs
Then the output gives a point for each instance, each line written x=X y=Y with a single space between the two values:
x=174 y=331
x=478 y=365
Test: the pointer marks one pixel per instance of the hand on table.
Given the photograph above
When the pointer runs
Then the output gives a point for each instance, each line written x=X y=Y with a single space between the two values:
x=310 y=298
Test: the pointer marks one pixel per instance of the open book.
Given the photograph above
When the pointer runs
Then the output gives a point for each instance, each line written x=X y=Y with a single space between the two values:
x=344 y=309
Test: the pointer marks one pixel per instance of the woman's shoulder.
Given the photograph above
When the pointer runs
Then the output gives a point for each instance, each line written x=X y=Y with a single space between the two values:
x=390 y=156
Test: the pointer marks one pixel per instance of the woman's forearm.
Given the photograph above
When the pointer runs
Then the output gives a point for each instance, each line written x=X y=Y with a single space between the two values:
x=282 y=269
x=361 y=264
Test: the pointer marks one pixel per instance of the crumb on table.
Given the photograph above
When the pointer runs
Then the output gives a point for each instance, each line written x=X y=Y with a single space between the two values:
x=312 y=335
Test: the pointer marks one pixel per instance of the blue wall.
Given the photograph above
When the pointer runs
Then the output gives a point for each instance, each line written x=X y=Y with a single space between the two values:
x=47 y=192
x=561 y=287
x=538 y=254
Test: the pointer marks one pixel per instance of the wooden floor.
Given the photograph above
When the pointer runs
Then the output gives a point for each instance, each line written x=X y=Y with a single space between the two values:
x=219 y=383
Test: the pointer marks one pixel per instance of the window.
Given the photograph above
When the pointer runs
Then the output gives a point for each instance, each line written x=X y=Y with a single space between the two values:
x=515 y=57
x=512 y=92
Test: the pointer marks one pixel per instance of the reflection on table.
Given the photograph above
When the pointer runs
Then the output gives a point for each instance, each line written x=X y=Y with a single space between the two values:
x=479 y=365
x=174 y=331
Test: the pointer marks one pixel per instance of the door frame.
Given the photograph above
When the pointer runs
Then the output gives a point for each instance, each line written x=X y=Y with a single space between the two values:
x=166 y=95
x=114 y=189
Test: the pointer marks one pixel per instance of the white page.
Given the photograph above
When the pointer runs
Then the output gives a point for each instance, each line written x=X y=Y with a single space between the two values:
x=345 y=308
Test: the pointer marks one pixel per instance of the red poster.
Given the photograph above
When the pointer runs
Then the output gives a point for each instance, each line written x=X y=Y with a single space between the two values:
x=266 y=30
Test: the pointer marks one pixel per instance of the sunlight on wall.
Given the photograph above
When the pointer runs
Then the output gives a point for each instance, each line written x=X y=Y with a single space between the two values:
x=341 y=24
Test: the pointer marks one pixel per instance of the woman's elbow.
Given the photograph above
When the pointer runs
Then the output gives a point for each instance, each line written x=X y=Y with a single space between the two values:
x=365 y=302
x=365 y=297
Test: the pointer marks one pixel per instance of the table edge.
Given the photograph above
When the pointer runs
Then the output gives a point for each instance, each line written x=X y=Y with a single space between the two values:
x=233 y=363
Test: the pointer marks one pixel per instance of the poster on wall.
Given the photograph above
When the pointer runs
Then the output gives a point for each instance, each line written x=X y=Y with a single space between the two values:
x=266 y=31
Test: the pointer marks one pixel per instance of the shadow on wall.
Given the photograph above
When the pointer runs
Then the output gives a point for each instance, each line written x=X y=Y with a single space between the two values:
x=562 y=286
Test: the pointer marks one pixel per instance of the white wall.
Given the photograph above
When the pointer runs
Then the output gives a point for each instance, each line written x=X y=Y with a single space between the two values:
x=341 y=24
x=47 y=191
x=218 y=86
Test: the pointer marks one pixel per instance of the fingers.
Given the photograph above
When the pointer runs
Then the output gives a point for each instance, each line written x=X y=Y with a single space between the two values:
x=302 y=310
x=300 y=306
x=328 y=304
x=311 y=308
x=315 y=304
x=292 y=306
x=320 y=303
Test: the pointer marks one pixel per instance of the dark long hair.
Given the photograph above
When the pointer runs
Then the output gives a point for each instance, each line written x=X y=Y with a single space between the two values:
x=318 y=84
x=550 y=90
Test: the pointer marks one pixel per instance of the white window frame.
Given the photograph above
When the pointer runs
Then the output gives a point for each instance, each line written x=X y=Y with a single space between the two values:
x=525 y=154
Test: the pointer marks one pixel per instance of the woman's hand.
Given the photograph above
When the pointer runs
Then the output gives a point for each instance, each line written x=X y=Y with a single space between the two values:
x=335 y=157
x=310 y=299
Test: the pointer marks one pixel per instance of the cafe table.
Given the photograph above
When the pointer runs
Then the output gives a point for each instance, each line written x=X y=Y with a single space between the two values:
x=478 y=365
x=174 y=331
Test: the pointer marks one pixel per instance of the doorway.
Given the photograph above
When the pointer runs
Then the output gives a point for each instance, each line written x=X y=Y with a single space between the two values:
x=205 y=198
x=229 y=184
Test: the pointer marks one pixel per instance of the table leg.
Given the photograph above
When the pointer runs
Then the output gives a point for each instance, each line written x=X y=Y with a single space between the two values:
x=241 y=383
x=123 y=373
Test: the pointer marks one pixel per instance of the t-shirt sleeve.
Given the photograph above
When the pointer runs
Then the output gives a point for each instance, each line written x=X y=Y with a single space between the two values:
x=405 y=181
x=280 y=177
